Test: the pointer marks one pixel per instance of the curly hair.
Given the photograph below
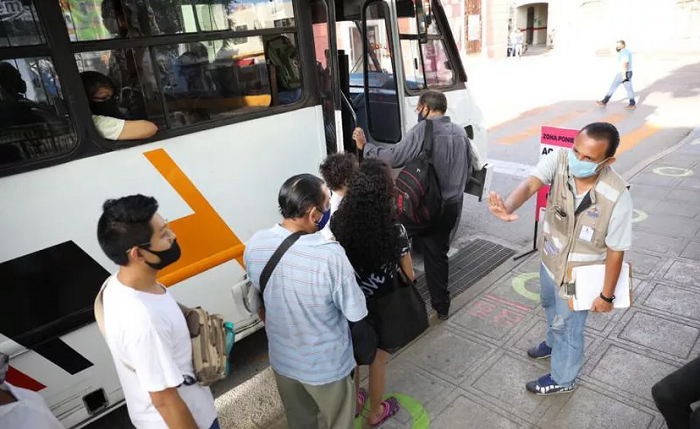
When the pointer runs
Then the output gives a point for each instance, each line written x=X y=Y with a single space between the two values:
x=338 y=169
x=364 y=222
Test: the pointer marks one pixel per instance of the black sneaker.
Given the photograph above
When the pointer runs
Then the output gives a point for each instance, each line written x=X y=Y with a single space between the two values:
x=543 y=351
x=631 y=106
x=601 y=103
x=443 y=316
x=545 y=385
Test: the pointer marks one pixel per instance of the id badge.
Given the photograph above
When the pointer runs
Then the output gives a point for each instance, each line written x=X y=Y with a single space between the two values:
x=586 y=234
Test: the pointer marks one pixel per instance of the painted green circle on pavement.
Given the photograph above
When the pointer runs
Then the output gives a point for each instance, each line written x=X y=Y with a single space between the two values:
x=673 y=171
x=519 y=282
x=421 y=418
x=639 y=216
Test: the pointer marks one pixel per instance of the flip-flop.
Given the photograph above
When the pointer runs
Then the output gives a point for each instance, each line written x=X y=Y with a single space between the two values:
x=362 y=396
x=391 y=407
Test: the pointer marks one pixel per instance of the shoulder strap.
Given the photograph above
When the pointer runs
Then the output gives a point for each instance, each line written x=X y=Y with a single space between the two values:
x=100 y=315
x=275 y=259
x=99 y=307
x=428 y=138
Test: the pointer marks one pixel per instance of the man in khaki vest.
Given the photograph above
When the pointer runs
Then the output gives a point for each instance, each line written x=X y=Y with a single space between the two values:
x=588 y=220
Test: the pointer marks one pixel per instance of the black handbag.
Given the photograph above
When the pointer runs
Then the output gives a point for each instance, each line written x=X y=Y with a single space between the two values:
x=364 y=341
x=399 y=316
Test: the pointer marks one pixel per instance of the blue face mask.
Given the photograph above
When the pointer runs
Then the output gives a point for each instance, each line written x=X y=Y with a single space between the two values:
x=324 y=219
x=582 y=169
x=421 y=117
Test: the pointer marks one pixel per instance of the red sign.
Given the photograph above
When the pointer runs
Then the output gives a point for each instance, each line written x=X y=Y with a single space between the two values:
x=551 y=138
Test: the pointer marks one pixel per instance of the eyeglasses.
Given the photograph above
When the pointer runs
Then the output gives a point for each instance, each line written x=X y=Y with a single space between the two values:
x=166 y=229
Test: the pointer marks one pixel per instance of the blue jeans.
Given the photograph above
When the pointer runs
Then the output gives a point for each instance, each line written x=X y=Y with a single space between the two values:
x=564 y=332
x=616 y=82
x=215 y=425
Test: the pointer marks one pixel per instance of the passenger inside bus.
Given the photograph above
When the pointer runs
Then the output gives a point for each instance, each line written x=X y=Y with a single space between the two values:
x=285 y=71
x=28 y=128
x=109 y=119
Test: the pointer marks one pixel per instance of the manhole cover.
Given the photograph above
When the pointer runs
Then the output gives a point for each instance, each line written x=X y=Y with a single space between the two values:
x=470 y=265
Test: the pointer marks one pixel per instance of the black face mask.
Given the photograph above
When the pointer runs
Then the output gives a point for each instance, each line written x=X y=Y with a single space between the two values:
x=108 y=107
x=618 y=49
x=167 y=257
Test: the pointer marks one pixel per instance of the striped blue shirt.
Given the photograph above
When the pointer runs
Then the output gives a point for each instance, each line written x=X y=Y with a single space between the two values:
x=309 y=299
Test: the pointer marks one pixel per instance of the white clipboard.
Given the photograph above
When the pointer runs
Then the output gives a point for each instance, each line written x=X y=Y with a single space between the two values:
x=590 y=280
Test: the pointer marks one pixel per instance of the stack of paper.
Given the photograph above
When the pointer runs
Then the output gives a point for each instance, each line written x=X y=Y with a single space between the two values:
x=589 y=284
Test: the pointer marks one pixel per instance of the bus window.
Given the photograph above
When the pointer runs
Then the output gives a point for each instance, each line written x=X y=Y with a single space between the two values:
x=34 y=122
x=382 y=104
x=200 y=81
x=426 y=65
x=19 y=24
x=107 y=19
x=133 y=79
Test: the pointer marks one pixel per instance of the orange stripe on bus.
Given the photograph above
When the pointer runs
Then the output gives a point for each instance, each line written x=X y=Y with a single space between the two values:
x=205 y=239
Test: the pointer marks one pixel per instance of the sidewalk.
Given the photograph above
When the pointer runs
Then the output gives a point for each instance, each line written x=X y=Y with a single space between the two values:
x=470 y=371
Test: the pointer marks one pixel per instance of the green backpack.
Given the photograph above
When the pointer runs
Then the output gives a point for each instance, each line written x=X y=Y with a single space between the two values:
x=285 y=57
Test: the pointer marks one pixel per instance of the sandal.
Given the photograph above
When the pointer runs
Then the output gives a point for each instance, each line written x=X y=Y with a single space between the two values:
x=362 y=398
x=391 y=407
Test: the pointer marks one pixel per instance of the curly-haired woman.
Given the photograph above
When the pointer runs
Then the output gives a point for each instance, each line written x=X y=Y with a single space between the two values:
x=337 y=171
x=377 y=246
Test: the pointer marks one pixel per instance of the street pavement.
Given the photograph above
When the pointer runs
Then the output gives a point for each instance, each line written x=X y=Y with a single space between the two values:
x=470 y=371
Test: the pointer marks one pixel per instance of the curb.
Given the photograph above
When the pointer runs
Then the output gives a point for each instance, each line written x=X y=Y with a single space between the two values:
x=634 y=171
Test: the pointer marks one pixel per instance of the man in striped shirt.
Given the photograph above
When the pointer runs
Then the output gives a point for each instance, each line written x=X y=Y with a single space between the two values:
x=309 y=299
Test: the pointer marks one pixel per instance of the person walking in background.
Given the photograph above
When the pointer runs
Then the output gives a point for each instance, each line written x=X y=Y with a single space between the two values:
x=588 y=221
x=623 y=76
x=518 y=43
x=675 y=394
x=511 y=44
x=378 y=247
x=310 y=294
x=451 y=158
x=337 y=171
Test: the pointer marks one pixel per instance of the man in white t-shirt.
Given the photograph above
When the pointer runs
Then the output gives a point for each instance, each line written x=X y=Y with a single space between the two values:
x=145 y=329
x=337 y=171
x=588 y=221
x=22 y=408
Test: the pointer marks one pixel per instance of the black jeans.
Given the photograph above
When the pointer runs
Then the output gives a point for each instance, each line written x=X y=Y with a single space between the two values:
x=436 y=244
x=674 y=394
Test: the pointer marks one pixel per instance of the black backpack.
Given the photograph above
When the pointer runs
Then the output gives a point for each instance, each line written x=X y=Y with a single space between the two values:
x=419 y=197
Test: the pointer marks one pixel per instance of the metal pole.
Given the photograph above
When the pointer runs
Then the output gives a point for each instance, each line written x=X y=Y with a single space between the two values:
x=534 y=246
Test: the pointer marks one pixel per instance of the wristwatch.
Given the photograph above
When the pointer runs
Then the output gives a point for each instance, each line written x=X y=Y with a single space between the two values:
x=606 y=299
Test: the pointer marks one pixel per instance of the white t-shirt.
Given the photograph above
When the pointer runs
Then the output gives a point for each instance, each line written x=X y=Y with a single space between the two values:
x=335 y=203
x=109 y=127
x=148 y=333
x=29 y=412
x=619 y=237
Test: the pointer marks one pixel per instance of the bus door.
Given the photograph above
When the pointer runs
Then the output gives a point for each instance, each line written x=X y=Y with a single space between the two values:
x=325 y=46
x=366 y=54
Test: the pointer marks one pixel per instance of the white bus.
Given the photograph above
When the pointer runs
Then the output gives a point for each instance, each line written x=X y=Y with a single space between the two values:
x=234 y=123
